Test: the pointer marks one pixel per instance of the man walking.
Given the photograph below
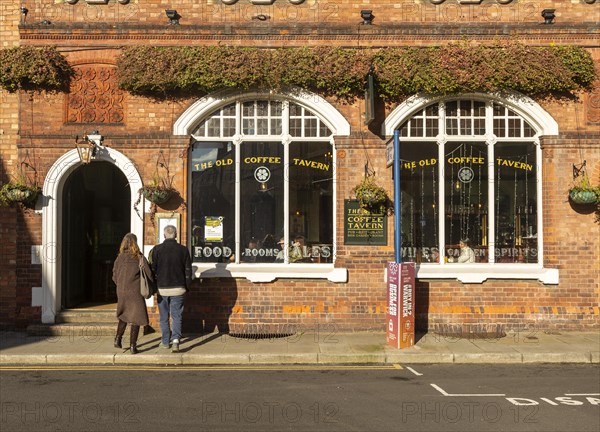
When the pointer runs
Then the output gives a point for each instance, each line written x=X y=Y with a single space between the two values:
x=172 y=266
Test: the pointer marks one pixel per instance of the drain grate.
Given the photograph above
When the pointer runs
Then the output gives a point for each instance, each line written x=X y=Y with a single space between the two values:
x=257 y=336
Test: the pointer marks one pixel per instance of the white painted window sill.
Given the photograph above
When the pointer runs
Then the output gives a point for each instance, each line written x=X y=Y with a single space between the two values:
x=478 y=273
x=270 y=272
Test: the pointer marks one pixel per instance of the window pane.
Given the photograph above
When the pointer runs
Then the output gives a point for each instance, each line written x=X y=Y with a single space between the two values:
x=248 y=109
x=310 y=127
x=416 y=127
x=465 y=127
x=248 y=127
x=479 y=109
x=431 y=127
x=261 y=206
x=213 y=127
x=499 y=127
x=419 y=209
x=452 y=126
x=516 y=203
x=311 y=202
x=295 y=109
x=276 y=127
x=466 y=199
x=262 y=108
x=229 y=110
x=213 y=200
x=262 y=126
x=324 y=130
x=296 y=127
x=228 y=127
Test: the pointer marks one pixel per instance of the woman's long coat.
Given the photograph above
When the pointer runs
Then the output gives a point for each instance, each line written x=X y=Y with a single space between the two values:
x=131 y=306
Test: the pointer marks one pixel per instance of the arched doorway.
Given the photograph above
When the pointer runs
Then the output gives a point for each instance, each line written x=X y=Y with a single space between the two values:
x=95 y=208
x=57 y=178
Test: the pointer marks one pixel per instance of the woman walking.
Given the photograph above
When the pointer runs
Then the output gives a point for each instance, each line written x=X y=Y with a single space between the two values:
x=131 y=306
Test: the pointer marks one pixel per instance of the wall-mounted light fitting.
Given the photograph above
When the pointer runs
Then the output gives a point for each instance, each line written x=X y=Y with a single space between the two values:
x=549 y=16
x=367 y=16
x=88 y=145
x=24 y=12
x=173 y=16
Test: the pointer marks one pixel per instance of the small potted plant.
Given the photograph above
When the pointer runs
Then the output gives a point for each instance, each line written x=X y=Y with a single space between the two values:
x=583 y=192
x=371 y=196
x=21 y=190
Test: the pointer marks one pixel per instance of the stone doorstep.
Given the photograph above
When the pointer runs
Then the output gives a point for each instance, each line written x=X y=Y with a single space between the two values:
x=83 y=316
x=89 y=329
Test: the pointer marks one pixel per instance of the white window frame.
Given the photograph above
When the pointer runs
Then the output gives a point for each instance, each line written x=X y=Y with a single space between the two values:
x=543 y=124
x=326 y=113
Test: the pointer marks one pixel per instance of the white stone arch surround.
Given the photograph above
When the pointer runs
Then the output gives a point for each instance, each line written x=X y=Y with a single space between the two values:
x=329 y=115
x=319 y=106
x=526 y=107
x=543 y=123
x=52 y=219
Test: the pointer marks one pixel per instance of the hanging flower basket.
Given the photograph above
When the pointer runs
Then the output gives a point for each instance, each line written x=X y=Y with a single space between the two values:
x=583 y=192
x=13 y=193
x=371 y=196
x=157 y=195
x=583 y=196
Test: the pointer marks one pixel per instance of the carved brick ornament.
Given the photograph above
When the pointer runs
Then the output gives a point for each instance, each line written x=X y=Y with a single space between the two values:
x=593 y=107
x=95 y=96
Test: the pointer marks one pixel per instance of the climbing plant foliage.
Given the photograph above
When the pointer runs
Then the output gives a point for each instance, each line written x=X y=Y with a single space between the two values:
x=30 y=68
x=168 y=72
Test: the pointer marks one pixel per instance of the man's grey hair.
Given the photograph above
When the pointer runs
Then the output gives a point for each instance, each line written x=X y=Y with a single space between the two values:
x=170 y=232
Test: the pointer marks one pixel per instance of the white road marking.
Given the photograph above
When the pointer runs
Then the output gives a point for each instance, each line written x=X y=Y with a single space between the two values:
x=442 y=391
x=414 y=371
x=582 y=394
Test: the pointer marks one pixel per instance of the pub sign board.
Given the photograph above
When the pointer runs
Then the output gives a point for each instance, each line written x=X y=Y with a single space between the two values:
x=362 y=227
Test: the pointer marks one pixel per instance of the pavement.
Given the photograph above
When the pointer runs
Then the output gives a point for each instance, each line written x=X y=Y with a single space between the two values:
x=306 y=348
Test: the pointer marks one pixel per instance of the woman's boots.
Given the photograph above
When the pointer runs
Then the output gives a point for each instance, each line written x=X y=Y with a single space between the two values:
x=134 y=331
x=133 y=336
x=119 y=337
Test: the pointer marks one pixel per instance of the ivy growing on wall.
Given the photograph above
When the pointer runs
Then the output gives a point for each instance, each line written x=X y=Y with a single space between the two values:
x=30 y=68
x=463 y=68
x=454 y=68
x=159 y=70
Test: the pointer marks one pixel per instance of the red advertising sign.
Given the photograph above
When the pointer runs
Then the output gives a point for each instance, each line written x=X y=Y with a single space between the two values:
x=401 y=301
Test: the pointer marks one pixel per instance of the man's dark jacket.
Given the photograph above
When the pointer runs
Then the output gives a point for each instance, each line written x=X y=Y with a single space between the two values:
x=172 y=265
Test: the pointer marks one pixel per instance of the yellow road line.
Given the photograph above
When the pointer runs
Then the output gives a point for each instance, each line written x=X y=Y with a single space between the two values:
x=183 y=368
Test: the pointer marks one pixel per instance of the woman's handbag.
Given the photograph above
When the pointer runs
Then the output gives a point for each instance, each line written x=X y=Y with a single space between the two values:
x=146 y=284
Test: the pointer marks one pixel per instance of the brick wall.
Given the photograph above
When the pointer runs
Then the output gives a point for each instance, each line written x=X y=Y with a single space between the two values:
x=37 y=126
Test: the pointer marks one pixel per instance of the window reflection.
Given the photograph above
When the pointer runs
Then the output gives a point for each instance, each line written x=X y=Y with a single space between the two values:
x=213 y=201
x=418 y=184
x=469 y=214
x=466 y=193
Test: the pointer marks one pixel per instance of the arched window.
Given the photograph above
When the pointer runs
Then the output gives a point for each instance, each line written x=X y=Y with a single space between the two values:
x=262 y=177
x=470 y=171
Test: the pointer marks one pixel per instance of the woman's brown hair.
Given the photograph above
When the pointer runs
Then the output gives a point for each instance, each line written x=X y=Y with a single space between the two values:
x=129 y=245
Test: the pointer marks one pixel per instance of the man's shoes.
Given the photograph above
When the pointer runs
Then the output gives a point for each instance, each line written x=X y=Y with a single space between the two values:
x=118 y=343
x=133 y=349
x=162 y=345
x=175 y=346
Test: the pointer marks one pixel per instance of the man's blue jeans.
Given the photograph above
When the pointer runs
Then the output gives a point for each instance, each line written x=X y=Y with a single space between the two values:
x=173 y=306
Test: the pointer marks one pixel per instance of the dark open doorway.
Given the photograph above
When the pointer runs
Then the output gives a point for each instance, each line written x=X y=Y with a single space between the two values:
x=95 y=217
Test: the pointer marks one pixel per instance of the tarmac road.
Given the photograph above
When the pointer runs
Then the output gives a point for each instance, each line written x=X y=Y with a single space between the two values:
x=549 y=398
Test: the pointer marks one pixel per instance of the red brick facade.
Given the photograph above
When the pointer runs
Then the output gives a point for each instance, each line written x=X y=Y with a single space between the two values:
x=41 y=128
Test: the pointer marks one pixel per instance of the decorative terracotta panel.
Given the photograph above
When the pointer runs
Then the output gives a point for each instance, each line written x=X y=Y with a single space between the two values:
x=95 y=96
x=593 y=106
